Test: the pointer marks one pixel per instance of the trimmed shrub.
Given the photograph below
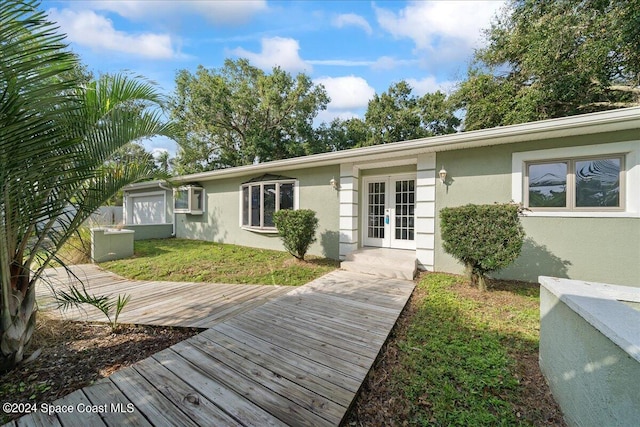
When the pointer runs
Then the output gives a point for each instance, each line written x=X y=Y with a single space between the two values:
x=297 y=230
x=485 y=238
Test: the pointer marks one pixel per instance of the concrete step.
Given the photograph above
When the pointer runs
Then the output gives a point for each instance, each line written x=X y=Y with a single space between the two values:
x=393 y=263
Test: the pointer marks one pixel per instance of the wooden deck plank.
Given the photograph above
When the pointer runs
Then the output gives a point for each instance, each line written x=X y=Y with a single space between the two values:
x=321 y=339
x=119 y=410
x=286 y=356
x=358 y=331
x=198 y=407
x=164 y=303
x=279 y=366
x=284 y=408
x=239 y=406
x=76 y=419
x=148 y=400
x=300 y=349
x=285 y=385
x=37 y=419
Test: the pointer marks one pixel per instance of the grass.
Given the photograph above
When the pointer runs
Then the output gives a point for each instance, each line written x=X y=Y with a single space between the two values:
x=457 y=355
x=199 y=261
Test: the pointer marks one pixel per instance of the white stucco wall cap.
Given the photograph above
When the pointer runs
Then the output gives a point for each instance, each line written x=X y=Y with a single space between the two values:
x=600 y=305
x=606 y=121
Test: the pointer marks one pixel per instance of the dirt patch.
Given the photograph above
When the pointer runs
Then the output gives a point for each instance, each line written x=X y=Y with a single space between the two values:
x=75 y=355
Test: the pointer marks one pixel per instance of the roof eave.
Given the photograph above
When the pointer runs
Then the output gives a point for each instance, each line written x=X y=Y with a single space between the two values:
x=607 y=121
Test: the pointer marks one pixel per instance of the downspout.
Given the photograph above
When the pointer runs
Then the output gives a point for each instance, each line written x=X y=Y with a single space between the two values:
x=173 y=222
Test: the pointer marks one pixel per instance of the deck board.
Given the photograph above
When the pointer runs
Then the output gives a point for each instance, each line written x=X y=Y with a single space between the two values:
x=187 y=304
x=270 y=355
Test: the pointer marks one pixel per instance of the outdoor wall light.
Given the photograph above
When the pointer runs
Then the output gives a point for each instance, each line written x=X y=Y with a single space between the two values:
x=334 y=184
x=443 y=175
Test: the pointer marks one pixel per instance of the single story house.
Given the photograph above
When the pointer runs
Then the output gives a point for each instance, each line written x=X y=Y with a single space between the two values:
x=579 y=177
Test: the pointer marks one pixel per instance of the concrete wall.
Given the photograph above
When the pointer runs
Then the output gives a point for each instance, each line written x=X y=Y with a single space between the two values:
x=221 y=219
x=107 y=244
x=602 y=249
x=595 y=382
x=151 y=231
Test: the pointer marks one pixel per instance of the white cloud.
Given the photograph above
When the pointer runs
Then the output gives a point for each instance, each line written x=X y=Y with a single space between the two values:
x=276 y=51
x=218 y=12
x=87 y=28
x=436 y=24
x=347 y=93
x=389 y=63
x=430 y=84
x=351 y=19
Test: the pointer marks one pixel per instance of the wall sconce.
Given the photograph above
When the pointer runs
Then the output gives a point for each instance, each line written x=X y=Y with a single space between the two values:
x=443 y=175
x=334 y=184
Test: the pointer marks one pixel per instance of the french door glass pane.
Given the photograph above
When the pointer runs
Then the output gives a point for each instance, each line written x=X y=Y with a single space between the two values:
x=598 y=183
x=548 y=185
x=404 y=208
x=375 y=227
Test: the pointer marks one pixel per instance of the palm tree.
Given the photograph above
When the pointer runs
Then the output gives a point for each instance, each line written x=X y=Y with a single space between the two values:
x=57 y=134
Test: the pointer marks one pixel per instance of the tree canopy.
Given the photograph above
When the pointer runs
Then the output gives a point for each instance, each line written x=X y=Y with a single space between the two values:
x=238 y=115
x=548 y=59
x=58 y=134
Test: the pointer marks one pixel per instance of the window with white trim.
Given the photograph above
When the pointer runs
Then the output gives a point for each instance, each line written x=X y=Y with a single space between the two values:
x=574 y=184
x=189 y=199
x=260 y=199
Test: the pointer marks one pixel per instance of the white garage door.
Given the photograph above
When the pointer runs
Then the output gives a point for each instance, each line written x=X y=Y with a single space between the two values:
x=148 y=209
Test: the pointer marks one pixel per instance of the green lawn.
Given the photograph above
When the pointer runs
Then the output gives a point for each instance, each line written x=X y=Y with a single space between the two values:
x=461 y=357
x=198 y=261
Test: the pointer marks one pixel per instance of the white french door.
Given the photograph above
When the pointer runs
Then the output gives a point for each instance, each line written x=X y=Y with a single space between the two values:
x=389 y=211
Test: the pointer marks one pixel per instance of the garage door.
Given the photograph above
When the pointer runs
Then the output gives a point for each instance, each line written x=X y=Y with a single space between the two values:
x=148 y=209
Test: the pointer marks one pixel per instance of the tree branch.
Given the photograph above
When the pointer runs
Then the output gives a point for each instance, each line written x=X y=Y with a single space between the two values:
x=622 y=88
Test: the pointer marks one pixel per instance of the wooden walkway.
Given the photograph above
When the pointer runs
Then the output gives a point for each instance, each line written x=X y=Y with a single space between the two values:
x=296 y=360
x=187 y=304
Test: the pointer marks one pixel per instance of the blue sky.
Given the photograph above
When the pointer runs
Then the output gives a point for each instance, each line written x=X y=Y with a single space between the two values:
x=354 y=48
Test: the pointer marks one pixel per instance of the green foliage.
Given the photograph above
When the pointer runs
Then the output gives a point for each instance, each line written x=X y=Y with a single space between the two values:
x=180 y=260
x=297 y=230
x=485 y=238
x=455 y=366
x=105 y=303
x=554 y=59
x=398 y=115
x=57 y=134
x=238 y=114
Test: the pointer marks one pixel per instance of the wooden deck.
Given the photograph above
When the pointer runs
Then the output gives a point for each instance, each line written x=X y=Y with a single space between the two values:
x=199 y=305
x=296 y=360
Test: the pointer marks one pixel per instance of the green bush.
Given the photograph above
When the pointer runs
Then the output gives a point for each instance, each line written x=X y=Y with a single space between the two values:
x=297 y=230
x=485 y=238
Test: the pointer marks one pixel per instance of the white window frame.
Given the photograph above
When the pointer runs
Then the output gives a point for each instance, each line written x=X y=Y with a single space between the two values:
x=630 y=171
x=261 y=184
x=191 y=197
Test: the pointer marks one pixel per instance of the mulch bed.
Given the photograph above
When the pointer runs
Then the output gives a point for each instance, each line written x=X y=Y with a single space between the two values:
x=75 y=355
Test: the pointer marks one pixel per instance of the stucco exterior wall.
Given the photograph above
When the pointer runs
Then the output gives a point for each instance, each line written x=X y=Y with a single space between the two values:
x=221 y=219
x=151 y=231
x=600 y=249
x=595 y=382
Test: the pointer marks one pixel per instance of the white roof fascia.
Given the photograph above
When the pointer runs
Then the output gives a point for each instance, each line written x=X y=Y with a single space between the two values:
x=606 y=121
